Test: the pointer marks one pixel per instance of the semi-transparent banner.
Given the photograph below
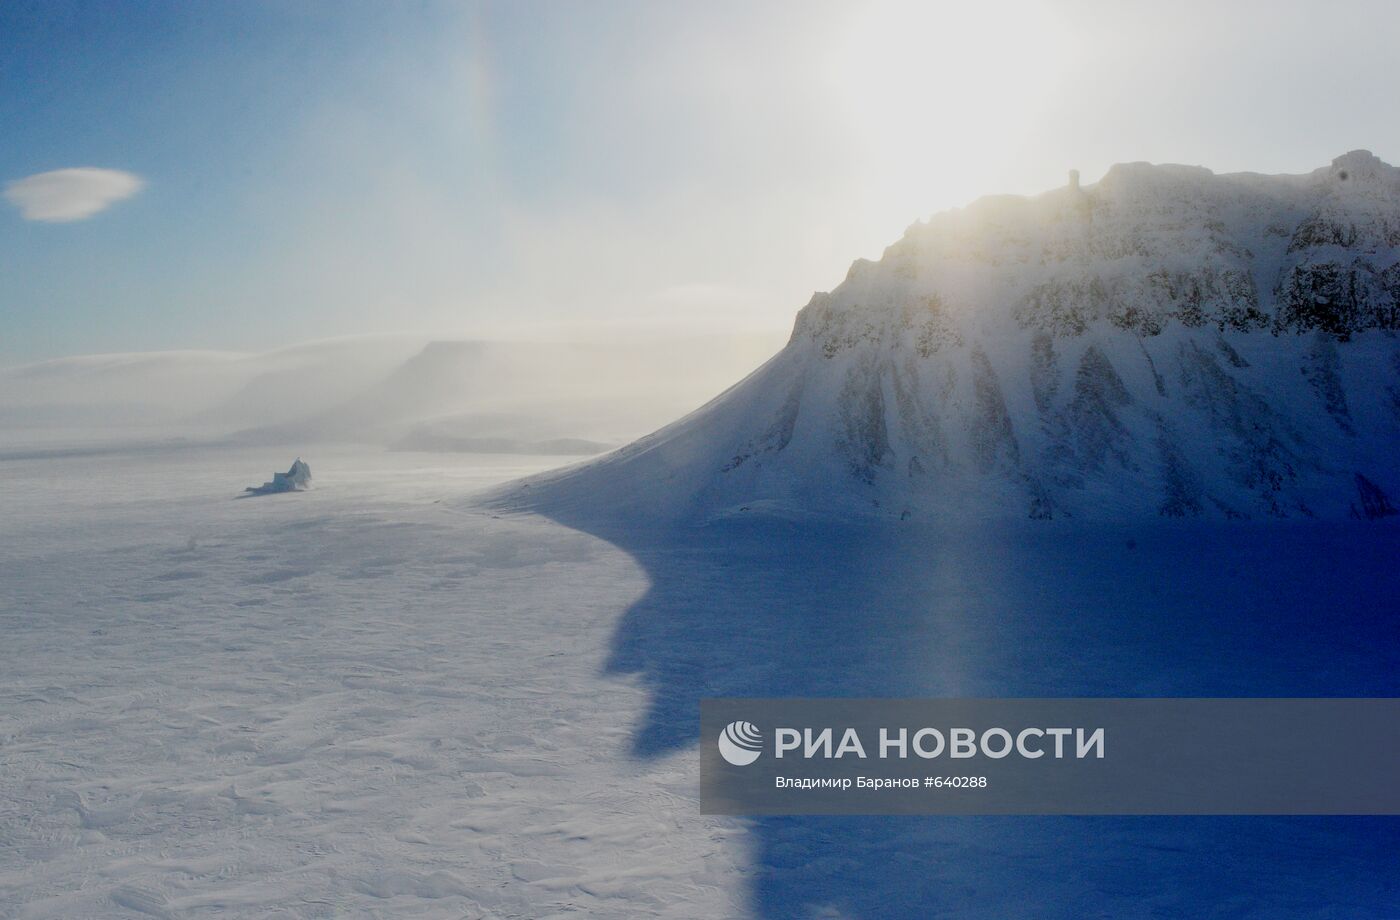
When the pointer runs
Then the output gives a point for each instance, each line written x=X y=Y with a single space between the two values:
x=1050 y=756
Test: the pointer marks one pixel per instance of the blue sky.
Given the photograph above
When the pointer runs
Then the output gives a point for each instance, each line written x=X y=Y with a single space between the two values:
x=581 y=169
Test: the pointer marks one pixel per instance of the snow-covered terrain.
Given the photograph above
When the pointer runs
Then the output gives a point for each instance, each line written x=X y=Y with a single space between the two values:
x=373 y=700
x=1136 y=439
x=352 y=701
x=1164 y=342
x=406 y=392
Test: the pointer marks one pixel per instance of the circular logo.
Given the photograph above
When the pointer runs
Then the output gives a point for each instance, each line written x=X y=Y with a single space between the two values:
x=740 y=743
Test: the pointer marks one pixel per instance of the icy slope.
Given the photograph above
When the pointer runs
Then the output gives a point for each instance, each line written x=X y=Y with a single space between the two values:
x=1165 y=342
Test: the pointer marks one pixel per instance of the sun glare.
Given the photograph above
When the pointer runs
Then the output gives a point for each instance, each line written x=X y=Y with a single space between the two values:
x=941 y=96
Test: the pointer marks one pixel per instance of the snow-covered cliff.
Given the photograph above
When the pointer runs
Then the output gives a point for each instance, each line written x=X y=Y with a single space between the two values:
x=1165 y=342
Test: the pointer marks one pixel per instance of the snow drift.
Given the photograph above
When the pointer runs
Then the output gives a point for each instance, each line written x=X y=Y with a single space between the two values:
x=1167 y=342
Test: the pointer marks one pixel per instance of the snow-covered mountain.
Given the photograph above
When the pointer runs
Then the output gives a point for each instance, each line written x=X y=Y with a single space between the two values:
x=398 y=391
x=528 y=397
x=1165 y=342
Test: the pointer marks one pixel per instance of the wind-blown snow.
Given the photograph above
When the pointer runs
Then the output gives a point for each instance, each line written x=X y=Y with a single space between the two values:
x=359 y=703
x=1168 y=342
x=376 y=699
x=404 y=392
x=367 y=702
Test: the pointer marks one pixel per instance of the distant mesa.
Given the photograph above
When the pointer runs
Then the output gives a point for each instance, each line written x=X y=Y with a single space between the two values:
x=1166 y=342
x=296 y=479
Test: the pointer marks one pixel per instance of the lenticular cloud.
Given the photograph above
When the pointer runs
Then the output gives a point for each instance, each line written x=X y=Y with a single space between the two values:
x=70 y=194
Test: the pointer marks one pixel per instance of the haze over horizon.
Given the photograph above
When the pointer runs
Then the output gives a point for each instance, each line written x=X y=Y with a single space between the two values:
x=420 y=421
x=188 y=176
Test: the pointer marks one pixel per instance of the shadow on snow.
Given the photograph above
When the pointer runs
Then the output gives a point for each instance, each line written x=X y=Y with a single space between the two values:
x=771 y=608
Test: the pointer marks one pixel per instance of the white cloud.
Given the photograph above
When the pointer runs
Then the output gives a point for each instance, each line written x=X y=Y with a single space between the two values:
x=70 y=194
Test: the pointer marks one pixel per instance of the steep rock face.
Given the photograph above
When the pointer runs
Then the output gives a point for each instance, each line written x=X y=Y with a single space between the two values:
x=1166 y=342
